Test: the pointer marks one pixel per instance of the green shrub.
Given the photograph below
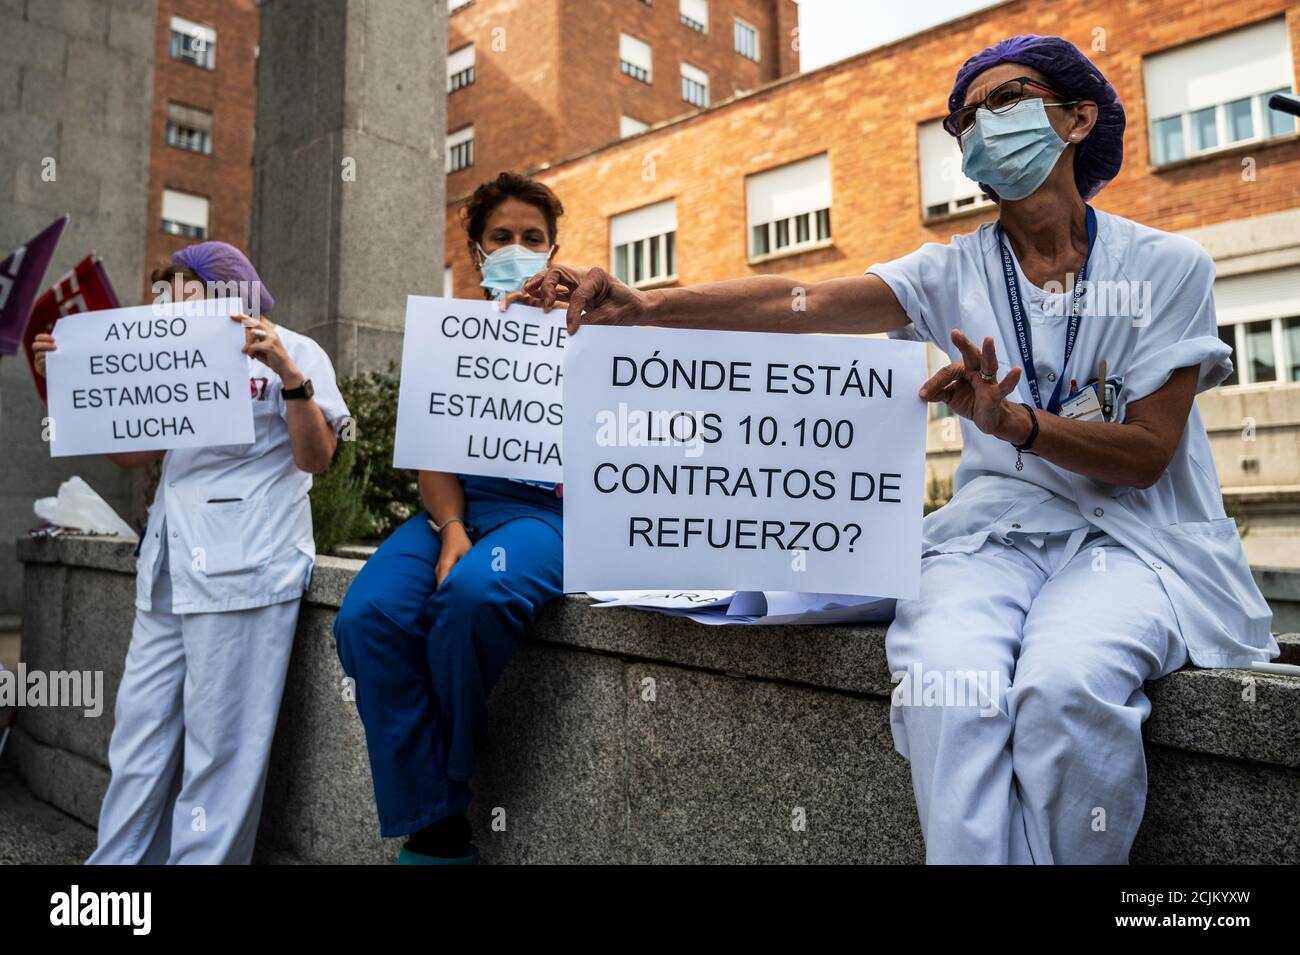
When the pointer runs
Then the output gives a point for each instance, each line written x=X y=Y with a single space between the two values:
x=363 y=467
x=338 y=501
x=937 y=493
x=1233 y=508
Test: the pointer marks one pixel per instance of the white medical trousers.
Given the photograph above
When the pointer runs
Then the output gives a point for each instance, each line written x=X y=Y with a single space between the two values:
x=1043 y=762
x=195 y=716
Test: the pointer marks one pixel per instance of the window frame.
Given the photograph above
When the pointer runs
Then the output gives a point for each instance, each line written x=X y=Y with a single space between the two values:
x=661 y=246
x=175 y=140
x=642 y=74
x=464 y=77
x=1283 y=360
x=695 y=26
x=690 y=82
x=741 y=24
x=205 y=59
x=464 y=146
x=1261 y=130
x=185 y=230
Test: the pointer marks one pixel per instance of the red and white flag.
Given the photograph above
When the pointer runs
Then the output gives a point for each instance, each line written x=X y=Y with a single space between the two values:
x=85 y=289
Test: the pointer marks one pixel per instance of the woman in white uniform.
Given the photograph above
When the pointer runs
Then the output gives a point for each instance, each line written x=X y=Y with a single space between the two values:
x=225 y=558
x=1085 y=549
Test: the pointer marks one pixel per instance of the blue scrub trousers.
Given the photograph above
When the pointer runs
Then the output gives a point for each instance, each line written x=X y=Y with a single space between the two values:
x=424 y=660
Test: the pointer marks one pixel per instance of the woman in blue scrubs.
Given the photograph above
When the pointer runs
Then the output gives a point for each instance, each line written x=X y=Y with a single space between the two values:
x=432 y=618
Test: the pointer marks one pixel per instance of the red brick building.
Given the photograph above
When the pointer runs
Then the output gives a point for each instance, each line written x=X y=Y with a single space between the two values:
x=204 y=103
x=822 y=174
x=532 y=83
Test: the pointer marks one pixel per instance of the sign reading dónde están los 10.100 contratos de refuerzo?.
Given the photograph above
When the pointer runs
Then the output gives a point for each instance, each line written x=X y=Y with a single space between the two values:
x=742 y=461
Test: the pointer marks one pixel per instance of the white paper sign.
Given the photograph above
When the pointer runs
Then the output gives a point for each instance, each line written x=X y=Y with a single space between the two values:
x=149 y=378
x=481 y=390
x=745 y=461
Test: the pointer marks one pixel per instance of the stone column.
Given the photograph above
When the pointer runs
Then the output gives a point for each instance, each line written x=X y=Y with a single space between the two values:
x=348 y=168
x=76 y=88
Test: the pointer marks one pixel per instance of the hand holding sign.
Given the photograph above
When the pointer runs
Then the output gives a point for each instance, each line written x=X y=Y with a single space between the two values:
x=590 y=296
x=481 y=390
x=149 y=378
x=744 y=461
x=263 y=342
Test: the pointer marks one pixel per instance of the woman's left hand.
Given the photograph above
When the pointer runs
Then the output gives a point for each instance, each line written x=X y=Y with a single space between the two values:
x=971 y=389
x=263 y=342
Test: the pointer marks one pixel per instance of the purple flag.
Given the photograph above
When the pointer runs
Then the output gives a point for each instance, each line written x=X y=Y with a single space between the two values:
x=21 y=276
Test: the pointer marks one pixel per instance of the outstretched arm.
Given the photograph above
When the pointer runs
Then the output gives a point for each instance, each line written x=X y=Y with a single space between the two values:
x=859 y=305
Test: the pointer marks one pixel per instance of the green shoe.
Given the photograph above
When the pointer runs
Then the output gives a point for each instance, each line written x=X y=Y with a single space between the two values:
x=407 y=857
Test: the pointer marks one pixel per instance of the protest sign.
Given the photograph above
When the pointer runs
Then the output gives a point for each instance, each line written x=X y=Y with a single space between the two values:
x=481 y=390
x=703 y=459
x=149 y=378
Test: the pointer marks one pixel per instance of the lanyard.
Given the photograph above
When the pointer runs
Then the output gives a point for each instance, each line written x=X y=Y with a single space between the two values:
x=1023 y=338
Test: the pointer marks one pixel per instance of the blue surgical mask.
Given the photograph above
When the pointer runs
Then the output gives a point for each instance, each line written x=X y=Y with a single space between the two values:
x=508 y=268
x=1012 y=152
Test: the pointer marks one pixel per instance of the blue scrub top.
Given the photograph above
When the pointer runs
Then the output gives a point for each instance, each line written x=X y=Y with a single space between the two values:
x=490 y=502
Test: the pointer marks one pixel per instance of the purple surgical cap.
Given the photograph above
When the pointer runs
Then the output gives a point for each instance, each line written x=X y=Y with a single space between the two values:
x=222 y=262
x=1097 y=159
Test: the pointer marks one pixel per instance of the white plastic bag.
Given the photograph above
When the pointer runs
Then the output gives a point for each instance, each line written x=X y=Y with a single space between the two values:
x=79 y=508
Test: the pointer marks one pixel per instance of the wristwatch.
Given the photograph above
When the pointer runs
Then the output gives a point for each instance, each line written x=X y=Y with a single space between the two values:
x=301 y=393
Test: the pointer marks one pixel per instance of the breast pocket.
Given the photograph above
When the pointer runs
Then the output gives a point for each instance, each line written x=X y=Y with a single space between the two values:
x=230 y=536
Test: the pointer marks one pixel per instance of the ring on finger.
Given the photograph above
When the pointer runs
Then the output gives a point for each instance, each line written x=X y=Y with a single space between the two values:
x=987 y=378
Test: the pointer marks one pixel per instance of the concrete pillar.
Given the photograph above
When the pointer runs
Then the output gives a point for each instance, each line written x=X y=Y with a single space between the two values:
x=76 y=86
x=349 y=168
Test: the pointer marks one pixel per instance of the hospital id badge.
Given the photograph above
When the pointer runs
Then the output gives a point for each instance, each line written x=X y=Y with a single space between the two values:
x=1083 y=405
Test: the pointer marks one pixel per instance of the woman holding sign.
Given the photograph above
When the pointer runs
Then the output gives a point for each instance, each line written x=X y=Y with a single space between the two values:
x=1085 y=549
x=225 y=558
x=432 y=618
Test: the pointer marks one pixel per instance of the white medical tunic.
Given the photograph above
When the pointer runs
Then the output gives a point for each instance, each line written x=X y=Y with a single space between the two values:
x=1177 y=526
x=237 y=517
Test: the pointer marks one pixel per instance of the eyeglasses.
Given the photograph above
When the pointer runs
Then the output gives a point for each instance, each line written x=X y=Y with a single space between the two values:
x=1000 y=99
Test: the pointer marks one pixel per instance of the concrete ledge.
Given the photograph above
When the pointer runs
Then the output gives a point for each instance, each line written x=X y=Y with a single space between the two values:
x=624 y=736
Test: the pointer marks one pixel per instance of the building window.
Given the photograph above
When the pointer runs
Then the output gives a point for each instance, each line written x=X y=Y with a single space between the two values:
x=627 y=126
x=460 y=68
x=643 y=244
x=789 y=208
x=1213 y=94
x=634 y=57
x=1259 y=319
x=746 y=39
x=184 y=214
x=460 y=149
x=194 y=43
x=695 y=86
x=1279 y=123
x=695 y=14
x=1263 y=352
x=944 y=187
x=189 y=128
